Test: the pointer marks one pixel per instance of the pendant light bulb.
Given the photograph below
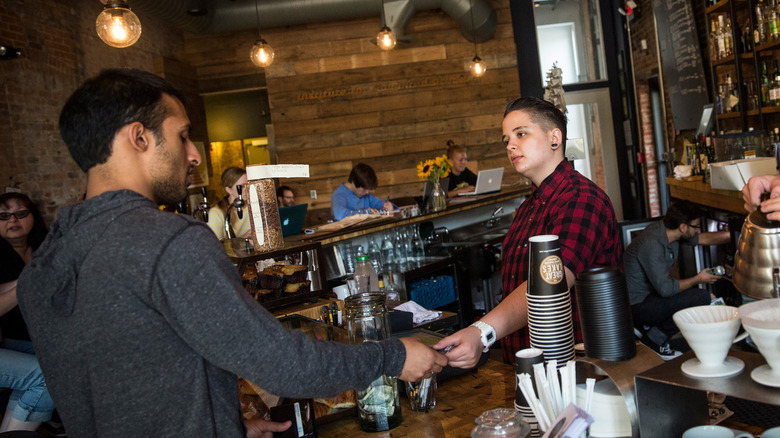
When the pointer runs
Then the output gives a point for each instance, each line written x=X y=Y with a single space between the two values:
x=477 y=67
x=262 y=54
x=117 y=25
x=385 y=39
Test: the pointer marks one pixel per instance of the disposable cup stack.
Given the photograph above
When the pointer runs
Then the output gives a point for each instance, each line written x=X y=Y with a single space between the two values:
x=549 y=303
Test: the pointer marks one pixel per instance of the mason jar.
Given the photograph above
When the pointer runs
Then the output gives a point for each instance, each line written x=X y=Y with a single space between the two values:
x=379 y=406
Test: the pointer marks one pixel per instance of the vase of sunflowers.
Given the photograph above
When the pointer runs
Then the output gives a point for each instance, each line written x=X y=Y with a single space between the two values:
x=434 y=170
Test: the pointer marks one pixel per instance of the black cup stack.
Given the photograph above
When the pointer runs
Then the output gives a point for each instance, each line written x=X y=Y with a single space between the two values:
x=549 y=303
x=524 y=363
x=605 y=314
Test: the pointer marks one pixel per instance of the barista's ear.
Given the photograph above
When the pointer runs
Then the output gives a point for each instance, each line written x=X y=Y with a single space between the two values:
x=557 y=138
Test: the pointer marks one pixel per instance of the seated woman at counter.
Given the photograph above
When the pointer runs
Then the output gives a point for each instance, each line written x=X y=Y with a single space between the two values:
x=231 y=177
x=461 y=178
x=564 y=203
x=355 y=195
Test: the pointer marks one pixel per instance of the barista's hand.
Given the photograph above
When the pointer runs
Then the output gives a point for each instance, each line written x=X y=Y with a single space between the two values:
x=259 y=428
x=421 y=360
x=467 y=347
x=758 y=185
x=706 y=278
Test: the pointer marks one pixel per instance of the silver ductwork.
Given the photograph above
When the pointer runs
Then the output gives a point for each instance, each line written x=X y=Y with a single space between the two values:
x=231 y=15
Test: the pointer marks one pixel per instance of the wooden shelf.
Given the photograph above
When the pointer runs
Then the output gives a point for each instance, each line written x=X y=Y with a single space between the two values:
x=721 y=6
x=730 y=115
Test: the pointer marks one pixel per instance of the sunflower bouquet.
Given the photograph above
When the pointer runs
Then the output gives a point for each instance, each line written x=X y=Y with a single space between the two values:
x=435 y=169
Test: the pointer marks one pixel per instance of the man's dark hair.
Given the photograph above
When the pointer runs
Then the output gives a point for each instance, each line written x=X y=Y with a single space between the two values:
x=543 y=113
x=39 y=230
x=280 y=191
x=362 y=175
x=681 y=212
x=101 y=106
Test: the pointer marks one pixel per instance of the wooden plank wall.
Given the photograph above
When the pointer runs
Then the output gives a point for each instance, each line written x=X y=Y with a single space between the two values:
x=337 y=100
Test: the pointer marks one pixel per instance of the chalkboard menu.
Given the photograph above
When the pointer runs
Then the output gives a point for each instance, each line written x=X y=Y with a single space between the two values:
x=681 y=60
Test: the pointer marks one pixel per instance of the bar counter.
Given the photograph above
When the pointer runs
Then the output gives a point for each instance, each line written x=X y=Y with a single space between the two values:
x=459 y=401
x=701 y=193
x=458 y=205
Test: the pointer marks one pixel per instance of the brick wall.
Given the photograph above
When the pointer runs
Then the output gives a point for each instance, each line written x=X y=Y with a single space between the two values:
x=59 y=50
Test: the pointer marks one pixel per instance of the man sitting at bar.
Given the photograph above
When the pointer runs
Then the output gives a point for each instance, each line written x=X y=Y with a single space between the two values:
x=285 y=196
x=354 y=196
x=563 y=203
x=654 y=293
x=139 y=318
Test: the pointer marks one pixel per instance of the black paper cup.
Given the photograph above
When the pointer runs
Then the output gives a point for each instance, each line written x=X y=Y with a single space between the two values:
x=524 y=363
x=605 y=314
x=546 y=276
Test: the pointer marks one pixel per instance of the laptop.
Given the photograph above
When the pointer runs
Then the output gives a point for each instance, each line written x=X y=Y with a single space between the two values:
x=292 y=219
x=487 y=181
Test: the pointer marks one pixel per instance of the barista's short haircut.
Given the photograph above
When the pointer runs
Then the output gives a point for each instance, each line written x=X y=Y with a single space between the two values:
x=102 y=105
x=543 y=113
x=363 y=176
x=681 y=212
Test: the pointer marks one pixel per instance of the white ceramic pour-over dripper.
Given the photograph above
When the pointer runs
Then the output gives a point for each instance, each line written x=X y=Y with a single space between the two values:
x=710 y=331
x=761 y=320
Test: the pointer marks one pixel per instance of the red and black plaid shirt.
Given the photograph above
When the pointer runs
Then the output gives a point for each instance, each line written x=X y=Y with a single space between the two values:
x=576 y=210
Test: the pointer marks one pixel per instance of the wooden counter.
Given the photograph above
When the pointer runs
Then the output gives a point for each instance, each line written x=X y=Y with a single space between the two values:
x=454 y=206
x=459 y=401
x=703 y=194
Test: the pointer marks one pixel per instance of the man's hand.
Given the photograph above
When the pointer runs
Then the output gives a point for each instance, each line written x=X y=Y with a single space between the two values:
x=421 y=360
x=388 y=206
x=467 y=347
x=259 y=428
x=757 y=186
x=706 y=278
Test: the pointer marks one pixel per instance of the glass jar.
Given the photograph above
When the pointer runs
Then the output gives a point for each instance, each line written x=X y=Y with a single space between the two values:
x=379 y=405
x=501 y=422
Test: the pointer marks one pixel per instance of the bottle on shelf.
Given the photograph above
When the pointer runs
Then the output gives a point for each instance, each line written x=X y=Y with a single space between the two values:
x=399 y=246
x=772 y=29
x=759 y=33
x=721 y=37
x=388 y=253
x=728 y=36
x=391 y=288
x=366 y=279
x=746 y=37
x=375 y=254
x=774 y=86
x=764 y=85
x=714 y=51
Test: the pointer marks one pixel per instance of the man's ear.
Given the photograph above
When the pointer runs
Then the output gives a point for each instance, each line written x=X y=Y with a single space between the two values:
x=138 y=136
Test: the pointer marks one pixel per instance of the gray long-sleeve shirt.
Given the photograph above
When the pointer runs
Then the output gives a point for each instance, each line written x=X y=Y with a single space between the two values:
x=648 y=261
x=141 y=325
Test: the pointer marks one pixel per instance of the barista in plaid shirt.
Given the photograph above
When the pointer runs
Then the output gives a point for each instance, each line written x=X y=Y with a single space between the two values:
x=563 y=203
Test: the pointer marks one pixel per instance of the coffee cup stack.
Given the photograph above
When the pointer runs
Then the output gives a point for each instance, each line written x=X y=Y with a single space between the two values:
x=549 y=302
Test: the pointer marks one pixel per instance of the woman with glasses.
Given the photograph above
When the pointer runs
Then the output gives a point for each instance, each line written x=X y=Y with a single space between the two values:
x=22 y=230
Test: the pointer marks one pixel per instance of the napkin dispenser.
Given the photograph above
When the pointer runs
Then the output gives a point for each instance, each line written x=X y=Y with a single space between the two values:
x=734 y=174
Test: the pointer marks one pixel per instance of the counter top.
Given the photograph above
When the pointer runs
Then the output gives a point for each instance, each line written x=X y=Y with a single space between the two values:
x=701 y=193
x=454 y=206
x=459 y=401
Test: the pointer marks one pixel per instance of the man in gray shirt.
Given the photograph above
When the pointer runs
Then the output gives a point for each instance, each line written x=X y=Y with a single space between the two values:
x=648 y=261
x=140 y=320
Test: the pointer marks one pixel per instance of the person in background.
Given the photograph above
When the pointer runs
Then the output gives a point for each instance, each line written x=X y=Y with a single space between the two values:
x=563 y=203
x=763 y=185
x=22 y=230
x=285 y=196
x=654 y=293
x=355 y=194
x=461 y=178
x=231 y=177
x=140 y=320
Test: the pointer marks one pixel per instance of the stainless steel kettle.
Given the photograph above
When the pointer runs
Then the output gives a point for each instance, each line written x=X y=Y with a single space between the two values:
x=757 y=261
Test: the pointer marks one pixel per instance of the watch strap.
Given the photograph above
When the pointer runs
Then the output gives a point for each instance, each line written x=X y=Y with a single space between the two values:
x=487 y=334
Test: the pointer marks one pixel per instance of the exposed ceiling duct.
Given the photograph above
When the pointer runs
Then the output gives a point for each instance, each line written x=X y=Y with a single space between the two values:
x=215 y=16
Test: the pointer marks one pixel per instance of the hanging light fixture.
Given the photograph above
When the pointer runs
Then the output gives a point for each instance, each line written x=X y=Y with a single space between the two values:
x=117 y=25
x=262 y=54
x=385 y=39
x=477 y=66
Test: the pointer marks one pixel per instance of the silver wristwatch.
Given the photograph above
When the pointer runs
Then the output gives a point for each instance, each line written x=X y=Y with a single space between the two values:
x=487 y=334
